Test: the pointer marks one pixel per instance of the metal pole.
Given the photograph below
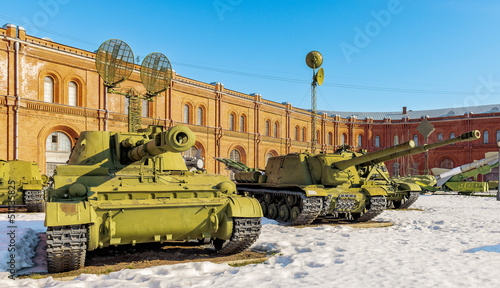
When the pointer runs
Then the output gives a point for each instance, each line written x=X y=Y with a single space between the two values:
x=498 y=188
x=313 y=116
x=426 y=172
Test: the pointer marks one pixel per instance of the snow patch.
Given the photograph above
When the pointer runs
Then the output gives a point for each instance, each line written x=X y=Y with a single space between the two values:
x=21 y=246
x=422 y=249
x=25 y=239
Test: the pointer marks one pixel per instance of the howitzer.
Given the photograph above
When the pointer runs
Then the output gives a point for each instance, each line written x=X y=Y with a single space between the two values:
x=117 y=183
x=404 y=149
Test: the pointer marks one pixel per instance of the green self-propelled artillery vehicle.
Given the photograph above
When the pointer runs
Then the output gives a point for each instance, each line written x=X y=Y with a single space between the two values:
x=297 y=188
x=134 y=187
x=21 y=184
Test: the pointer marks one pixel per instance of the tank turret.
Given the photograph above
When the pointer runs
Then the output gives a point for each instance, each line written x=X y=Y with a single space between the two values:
x=178 y=139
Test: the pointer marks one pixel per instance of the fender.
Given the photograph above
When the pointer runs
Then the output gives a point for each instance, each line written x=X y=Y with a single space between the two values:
x=409 y=187
x=244 y=207
x=62 y=214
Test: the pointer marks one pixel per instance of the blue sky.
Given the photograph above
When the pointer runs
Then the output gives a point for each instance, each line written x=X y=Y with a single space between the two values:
x=379 y=55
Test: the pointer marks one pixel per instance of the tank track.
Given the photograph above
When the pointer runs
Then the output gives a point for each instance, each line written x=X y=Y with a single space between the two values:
x=377 y=206
x=408 y=201
x=310 y=207
x=245 y=233
x=34 y=200
x=66 y=247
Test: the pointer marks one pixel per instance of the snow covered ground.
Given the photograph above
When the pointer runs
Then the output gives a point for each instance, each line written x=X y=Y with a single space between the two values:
x=454 y=242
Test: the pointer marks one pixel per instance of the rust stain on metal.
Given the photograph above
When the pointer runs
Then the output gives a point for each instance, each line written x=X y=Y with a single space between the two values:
x=68 y=209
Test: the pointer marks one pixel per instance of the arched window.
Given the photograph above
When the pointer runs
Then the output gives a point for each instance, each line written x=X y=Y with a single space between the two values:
x=440 y=137
x=452 y=135
x=57 y=150
x=446 y=163
x=191 y=152
x=72 y=93
x=330 y=138
x=415 y=139
x=486 y=137
x=395 y=169
x=268 y=128
x=377 y=141
x=145 y=108
x=304 y=134
x=343 y=139
x=269 y=155
x=242 y=123
x=318 y=138
x=48 y=90
x=276 y=129
x=297 y=133
x=231 y=122
x=199 y=116
x=396 y=139
x=186 y=113
x=235 y=155
x=360 y=140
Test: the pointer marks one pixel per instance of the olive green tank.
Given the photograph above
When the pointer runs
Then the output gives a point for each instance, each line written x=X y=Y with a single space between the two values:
x=297 y=188
x=134 y=187
x=21 y=184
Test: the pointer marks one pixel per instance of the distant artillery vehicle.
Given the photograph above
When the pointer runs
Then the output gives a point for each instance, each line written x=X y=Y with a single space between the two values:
x=134 y=187
x=456 y=179
x=297 y=188
x=194 y=163
x=22 y=184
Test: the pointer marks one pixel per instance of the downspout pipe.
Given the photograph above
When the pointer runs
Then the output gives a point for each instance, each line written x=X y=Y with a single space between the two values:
x=18 y=99
x=106 y=112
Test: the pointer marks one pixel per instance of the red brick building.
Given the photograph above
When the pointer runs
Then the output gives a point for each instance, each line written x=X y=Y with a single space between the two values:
x=50 y=92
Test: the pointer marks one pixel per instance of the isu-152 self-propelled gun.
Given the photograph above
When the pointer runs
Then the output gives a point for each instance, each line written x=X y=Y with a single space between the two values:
x=134 y=187
x=297 y=188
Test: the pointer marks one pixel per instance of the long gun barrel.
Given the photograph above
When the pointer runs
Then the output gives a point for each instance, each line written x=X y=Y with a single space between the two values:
x=400 y=151
x=468 y=136
x=177 y=139
x=369 y=158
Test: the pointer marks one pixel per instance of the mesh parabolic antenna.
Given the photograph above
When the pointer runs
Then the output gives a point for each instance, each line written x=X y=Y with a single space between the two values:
x=114 y=61
x=156 y=73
